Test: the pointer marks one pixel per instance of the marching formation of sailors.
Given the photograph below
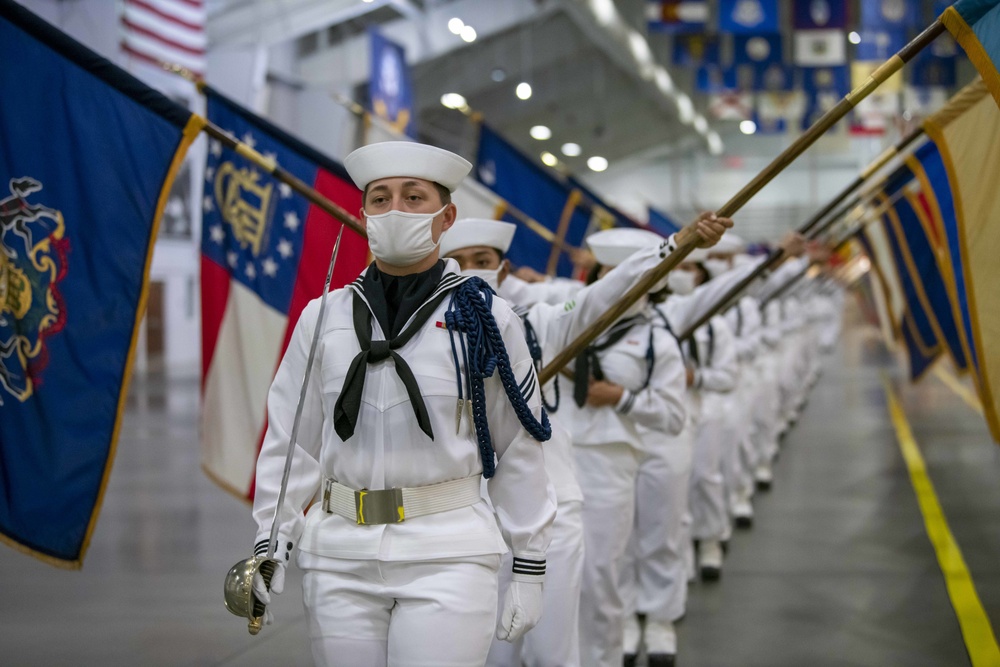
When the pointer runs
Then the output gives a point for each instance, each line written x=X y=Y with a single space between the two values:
x=448 y=509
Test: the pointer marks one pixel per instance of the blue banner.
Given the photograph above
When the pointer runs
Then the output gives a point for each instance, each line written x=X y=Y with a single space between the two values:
x=758 y=50
x=88 y=157
x=929 y=70
x=890 y=15
x=774 y=78
x=823 y=87
x=713 y=79
x=389 y=85
x=879 y=44
x=661 y=223
x=696 y=49
x=533 y=190
x=927 y=301
x=676 y=16
x=929 y=167
x=748 y=16
x=819 y=14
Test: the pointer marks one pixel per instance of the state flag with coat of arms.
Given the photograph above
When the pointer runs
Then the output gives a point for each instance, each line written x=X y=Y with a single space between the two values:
x=264 y=256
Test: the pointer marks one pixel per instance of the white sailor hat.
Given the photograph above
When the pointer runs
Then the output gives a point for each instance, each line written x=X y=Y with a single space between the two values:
x=389 y=159
x=729 y=243
x=697 y=255
x=470 y=232
x=611 y=247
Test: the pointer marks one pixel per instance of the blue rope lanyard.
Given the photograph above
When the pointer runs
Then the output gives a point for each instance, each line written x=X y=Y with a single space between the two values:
x=535 y=349
x=470 y=316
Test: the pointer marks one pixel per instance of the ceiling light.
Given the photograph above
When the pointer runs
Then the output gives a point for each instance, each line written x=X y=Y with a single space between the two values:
x=540 y=132
x=853 y=37
x=468 y=34
x=455 y=25
x=597 y=163
x=523 y=90
x=571 y=150
x=700 y=124
x=748 y=126
x=453 y=101
x=549 y=159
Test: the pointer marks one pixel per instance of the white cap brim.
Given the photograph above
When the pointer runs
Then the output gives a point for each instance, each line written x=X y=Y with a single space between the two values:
x=401 y=159
x=729 y=243
x=471 y=232
x=611 y=247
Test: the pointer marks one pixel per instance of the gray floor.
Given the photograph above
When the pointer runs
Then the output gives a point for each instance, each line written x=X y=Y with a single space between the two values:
x=838 y=569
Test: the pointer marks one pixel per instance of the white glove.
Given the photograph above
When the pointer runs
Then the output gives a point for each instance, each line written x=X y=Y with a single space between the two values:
x=522 y=608
x=262 y=590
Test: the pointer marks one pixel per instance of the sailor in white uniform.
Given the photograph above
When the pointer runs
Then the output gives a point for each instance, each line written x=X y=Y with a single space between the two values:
x=479 y=247
x=421 y=387
x=633 y=374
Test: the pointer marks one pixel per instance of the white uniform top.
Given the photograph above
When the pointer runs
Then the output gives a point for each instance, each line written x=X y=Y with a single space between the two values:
x=552 y=291
x=659 y=406
x=744 y=320
x=556 y=326
x=388 y=449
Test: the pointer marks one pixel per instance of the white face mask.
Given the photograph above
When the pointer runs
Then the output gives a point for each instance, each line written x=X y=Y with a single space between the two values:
x=402 y=239
x=680 y=282
x=490 y=276
x=716 y=267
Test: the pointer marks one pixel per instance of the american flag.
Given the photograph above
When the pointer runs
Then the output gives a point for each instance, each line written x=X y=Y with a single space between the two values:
x=165 y=32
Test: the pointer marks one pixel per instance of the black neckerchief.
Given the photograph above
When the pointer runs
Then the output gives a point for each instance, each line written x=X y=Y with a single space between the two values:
x=393 y=299
x=588 y=364
x=369 y=300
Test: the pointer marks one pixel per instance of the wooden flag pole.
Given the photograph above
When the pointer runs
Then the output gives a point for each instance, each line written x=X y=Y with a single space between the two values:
x=687 y=244
x=267 y=164
x=271 y=167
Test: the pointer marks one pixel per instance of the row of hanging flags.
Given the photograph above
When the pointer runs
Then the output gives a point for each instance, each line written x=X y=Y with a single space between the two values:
x=80 y=216
x=750 y=71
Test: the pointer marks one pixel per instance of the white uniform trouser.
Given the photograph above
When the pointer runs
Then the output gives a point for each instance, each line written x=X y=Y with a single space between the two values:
x=607 y=475
x=370 y=613
x=739 y=465
x=713 y=440
x=766 y=407
x=654 y=574
x=555 y=641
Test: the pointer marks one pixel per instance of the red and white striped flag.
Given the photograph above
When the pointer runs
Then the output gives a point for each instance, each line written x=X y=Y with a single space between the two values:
x=165 y=32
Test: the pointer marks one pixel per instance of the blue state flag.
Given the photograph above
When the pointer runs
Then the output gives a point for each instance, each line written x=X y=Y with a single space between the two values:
x=536 y=192
x=819 y=14
x=389 y=84
x=676 y=16
x=748 y=16
x=890 y=15
x=87 y=157
x=691 y=50
x=975 y=25
x=920 y=337
x=912 y=224
x=661 y=223
x=758 y=50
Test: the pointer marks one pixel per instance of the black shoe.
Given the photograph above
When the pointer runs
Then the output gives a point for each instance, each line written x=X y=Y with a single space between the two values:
x=710 y=574
x=662 y=660
x=629 y=660
x=744 y=522
x=763 y=486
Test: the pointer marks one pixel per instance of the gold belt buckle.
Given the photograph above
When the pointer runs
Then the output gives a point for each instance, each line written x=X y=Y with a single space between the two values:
x=379 y=506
